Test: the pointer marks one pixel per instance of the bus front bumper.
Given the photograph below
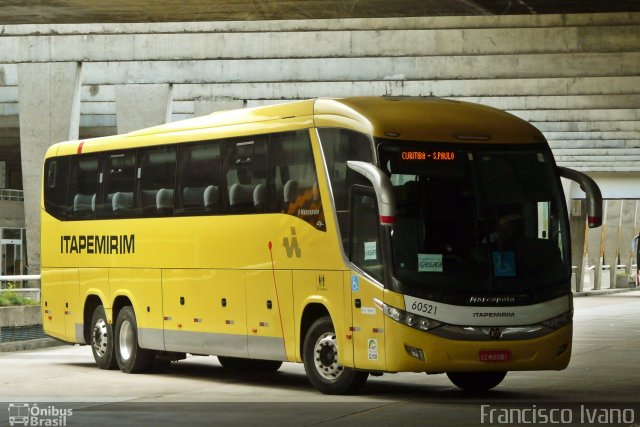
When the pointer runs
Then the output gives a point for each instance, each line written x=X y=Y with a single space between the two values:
x=412 y=350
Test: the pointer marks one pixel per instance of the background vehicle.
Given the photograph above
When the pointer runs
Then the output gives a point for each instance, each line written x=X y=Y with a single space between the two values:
x=358 y=235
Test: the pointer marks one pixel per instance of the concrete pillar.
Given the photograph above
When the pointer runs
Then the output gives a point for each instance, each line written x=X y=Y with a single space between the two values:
x=49 y=103
x=578 y=223
x=596 y=248
x=611 y=239
x=627 y=229
x=202 y=107
x=140 y=105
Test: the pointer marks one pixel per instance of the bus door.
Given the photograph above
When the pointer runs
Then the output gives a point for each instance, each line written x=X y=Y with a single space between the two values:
x=365 y=252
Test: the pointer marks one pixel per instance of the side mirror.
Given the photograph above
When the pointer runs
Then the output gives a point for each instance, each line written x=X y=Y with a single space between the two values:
x=591 y=189
x=382 y=187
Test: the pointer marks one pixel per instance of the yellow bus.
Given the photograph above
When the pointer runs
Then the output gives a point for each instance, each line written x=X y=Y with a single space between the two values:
x=359 y=236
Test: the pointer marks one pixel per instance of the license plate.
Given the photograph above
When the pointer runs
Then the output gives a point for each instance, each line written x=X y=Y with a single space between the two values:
x=495 y=355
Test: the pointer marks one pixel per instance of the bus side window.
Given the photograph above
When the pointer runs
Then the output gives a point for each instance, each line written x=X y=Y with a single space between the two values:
x=156 y=175
x=364 y=248
x=244 y=175
x=118 y=181
x=55 y=191
x=338 y=146
x=198 y=178
x=83 y=186
x=294 y=173
x=293 y=178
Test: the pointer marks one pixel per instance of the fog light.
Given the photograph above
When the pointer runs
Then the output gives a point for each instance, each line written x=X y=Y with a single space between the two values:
x=414 y=352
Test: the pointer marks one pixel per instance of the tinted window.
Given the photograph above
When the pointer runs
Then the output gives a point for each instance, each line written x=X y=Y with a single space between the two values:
x=156 y=177
x=245 y=176
x=118 y=182
x=55 y=189
x=198 y=177
x=295 y=189
x=365 y=250
x=83 y=186
x=338 y=146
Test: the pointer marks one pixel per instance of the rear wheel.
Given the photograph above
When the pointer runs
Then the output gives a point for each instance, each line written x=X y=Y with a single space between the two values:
x=320 y=355
x=102 y=340
x=238 y=363
x=131 y=358
x=477 y=381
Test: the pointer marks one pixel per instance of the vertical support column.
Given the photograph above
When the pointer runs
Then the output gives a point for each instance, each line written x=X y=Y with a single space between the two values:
x=49 y=104
x=596 y=248
x=202 y=107
x=627 y=227
x=578 y=222
x=139 y=106
x=611 y=239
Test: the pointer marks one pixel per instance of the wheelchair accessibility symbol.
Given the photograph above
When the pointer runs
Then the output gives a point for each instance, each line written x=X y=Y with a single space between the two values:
x=504 y=264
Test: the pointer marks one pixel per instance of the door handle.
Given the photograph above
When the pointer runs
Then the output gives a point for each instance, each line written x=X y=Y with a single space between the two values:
x=358 y=303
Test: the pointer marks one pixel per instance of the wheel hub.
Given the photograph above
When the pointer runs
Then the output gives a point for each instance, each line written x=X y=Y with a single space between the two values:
x=100 y=338
x=326 y=356
x=126 y=340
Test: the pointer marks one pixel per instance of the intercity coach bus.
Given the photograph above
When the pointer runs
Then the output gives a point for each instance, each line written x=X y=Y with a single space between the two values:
x=358 y=236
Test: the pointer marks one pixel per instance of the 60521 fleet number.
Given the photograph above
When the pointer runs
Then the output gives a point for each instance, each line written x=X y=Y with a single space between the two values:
x=424 y=307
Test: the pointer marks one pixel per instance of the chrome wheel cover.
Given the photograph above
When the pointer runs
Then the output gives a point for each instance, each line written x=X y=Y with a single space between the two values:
x=126 y=340
x=325 y=357
x=99 y=337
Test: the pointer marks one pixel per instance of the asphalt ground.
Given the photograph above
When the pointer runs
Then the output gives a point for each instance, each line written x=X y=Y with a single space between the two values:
x=62 y=386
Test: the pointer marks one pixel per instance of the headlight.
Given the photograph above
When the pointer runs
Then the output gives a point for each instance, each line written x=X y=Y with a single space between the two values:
x=559 y=321
x=409 y=319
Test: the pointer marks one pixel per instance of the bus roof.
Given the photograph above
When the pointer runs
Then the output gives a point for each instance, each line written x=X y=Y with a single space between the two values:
x=403 y=118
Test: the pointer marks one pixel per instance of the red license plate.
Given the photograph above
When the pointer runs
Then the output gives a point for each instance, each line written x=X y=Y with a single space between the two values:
x=494 y=355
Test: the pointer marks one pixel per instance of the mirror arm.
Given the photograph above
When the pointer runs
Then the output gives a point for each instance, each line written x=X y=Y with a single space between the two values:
x=591 y=189
x=382 y=187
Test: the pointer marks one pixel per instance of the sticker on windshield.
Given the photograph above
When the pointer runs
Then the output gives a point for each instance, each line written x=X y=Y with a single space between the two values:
x=370 y=251
x=504 y=264
x=429 y=263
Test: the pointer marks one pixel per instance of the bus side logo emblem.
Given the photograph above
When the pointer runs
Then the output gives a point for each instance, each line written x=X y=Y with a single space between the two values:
x=292 y=247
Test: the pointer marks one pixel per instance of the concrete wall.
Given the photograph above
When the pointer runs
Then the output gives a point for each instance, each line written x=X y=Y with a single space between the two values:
x=12 y=214
x=576 y=77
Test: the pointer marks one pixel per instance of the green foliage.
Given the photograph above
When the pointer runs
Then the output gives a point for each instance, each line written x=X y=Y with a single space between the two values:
x=9 y=297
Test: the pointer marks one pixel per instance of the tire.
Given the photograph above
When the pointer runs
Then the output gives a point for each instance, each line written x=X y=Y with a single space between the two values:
x=101 y=339
x=240 y=364
x=320 y=356
x=476 y=381
x=131 y=358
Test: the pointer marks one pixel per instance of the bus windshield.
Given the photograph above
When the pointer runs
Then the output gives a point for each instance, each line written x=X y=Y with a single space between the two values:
x=476 y=221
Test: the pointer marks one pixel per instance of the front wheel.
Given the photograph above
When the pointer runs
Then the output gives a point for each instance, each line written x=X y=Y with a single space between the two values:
x=320 y=355
x=102 y=340
x=131 y=358
x=476 y=381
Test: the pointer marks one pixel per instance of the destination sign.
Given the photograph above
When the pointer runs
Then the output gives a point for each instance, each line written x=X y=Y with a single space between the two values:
x=428 y=155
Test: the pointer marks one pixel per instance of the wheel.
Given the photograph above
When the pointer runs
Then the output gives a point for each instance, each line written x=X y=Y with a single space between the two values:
x=320 y=356
x=102 y=340
x=238 y=363
x=131 y=358
x=477 y=381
